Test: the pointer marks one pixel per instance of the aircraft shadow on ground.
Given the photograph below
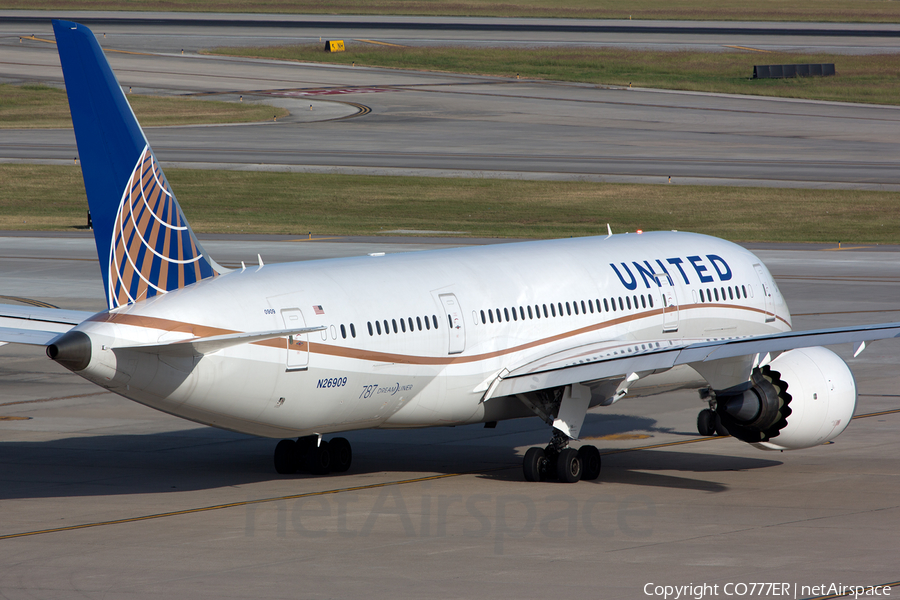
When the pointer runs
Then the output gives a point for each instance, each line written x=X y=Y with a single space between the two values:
x=205 y=458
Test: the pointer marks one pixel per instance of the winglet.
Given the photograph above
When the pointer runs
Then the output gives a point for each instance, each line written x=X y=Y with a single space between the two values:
x=144 y=243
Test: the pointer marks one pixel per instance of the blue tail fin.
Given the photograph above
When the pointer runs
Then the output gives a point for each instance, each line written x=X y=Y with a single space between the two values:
x=144 y=243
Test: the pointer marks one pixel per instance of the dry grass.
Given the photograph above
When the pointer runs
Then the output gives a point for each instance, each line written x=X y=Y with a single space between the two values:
x=39 y=106
x=871 y=78
x=759 y=10
x=42 y=197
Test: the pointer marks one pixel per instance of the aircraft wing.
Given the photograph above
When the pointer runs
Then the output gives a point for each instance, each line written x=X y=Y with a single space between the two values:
x=603 y=360
x=36 y=325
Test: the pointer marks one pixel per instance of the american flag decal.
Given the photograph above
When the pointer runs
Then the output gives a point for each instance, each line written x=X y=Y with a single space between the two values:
x=318 y=309
x=153 y=250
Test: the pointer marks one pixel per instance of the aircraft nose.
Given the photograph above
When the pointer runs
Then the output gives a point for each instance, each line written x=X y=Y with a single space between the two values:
x=72 y=350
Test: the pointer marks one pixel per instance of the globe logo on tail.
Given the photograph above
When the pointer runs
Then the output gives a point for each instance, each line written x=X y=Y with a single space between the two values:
x=153 y=250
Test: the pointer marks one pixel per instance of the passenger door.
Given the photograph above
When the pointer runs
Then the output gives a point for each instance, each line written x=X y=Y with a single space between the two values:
x=455 y=322
x=669 y=302
x=297 y=345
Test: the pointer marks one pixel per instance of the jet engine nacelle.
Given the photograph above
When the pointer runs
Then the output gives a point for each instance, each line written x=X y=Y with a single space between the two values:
x=803 y=398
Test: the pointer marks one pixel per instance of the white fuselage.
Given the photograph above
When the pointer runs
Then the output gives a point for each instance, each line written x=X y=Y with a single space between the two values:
x=377 y=363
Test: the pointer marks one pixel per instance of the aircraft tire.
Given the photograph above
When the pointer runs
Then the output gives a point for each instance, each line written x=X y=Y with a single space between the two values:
x=568 y=466
x=534 y=464
x=590 y=462
x=318 y=459
x=706 y=422
x=341 y=454
x=719 y=428
x=286 y=457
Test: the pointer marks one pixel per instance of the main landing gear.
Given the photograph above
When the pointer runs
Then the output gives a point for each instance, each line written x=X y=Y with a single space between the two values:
x=708 y=421
x=308 y=455
x=558 y=461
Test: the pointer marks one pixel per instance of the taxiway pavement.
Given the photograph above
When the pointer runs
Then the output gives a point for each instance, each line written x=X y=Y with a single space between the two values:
x=104 y=497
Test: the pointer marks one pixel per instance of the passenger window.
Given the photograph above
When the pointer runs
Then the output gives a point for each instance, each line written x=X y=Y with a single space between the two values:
x=591 y=306
x=745 y=291
x=730 y=294
x=515 y=316
x=545 y=312
x=343 y=331
x=605 y=305
x=530 y=316
x=434 y=320
x=352 y=330
x=522 y=313
x=583 y=311
x=378 y=327
x=575 y=305
x=559 y=306
x=643 y=301
x=483 y=320
x=419 y=323
x=403 y=325
x=723 y=294
x=628 y=302
x=553 y=309
x=701 y=296
x=621 y=303
x=394 y=323
x=651 y=301
x=427 y=324
x=506 y=314
x=717 y=294
x=491 y=315
x=568 y=310
x=387 y=328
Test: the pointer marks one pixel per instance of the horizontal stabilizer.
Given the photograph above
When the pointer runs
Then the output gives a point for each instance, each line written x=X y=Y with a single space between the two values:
x=31 y=337
x=36 y=326
x=208 y=345
x=48 y=315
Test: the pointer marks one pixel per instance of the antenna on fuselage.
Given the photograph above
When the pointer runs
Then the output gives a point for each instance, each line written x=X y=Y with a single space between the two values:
x=608 y=231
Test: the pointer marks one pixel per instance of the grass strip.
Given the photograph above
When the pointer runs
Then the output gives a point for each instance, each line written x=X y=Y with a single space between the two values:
x=38 y=197
x=41 y=106
x=869 y=79
x=876 y=11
